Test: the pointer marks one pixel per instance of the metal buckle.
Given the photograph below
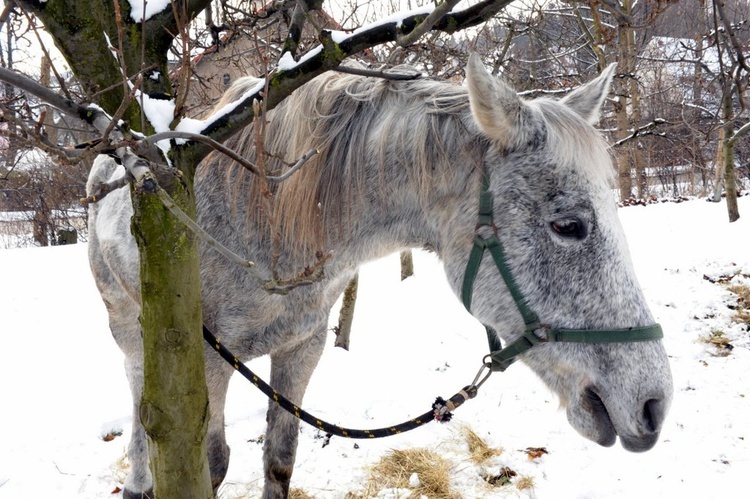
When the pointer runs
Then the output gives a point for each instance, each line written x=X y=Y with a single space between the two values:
x=486 y=364
x=481 y=225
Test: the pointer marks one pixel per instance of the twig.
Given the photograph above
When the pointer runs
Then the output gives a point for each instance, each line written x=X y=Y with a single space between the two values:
x=647 y=129
x=125 y=83
x=379 y=74
x=173 y=134
x=308 y=276
x=304 y=159
x=45 y=52
x=204 y=236
x=103 y=188
x=34 y=138
x=428 y=23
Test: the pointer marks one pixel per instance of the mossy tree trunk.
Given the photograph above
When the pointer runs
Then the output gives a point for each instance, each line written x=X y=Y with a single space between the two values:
x=175 y=398
x=174 y=407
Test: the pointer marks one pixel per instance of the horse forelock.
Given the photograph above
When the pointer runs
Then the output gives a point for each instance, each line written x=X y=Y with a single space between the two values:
x=573 y=144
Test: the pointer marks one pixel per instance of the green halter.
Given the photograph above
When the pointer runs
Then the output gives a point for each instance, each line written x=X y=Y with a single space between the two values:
x=535 y=331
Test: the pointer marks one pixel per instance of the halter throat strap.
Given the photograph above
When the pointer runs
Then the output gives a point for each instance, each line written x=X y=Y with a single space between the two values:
x=485 y=239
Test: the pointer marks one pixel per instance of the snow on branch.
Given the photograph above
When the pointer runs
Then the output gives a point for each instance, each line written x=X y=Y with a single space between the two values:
x=647 y=129
x=334 y=48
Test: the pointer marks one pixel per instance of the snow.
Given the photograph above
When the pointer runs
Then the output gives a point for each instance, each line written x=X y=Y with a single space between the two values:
x=63 y=385
x=159 y=112
x=152 y=7
x=287 y=63
x=193 y=125
x=396 y=17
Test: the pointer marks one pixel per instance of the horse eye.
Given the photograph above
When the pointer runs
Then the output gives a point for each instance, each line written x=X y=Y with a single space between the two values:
x=571 y=228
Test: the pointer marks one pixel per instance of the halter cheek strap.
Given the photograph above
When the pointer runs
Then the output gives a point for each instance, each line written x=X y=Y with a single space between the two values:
x=535 y=332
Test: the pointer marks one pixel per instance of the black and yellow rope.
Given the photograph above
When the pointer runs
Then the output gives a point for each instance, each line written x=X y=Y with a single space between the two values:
x=440 y=408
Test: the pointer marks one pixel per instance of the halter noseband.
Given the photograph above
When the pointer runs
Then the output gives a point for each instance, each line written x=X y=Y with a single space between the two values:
x=535 y=332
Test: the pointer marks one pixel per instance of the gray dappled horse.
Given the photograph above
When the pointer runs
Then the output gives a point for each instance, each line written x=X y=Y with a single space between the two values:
x=400 y=166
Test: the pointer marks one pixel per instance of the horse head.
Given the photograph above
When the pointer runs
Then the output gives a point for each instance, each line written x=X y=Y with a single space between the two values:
x=549 y=174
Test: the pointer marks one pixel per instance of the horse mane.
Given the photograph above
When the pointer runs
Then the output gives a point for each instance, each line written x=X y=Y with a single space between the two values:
x=420 y=126
x=363 y=127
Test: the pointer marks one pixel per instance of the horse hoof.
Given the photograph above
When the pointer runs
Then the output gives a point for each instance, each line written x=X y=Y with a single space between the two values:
x=127 y=494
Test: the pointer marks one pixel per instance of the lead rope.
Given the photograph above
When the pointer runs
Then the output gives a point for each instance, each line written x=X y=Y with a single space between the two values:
x=441 y=409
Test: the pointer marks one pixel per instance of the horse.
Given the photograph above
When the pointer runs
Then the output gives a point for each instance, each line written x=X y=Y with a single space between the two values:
x=401 y=165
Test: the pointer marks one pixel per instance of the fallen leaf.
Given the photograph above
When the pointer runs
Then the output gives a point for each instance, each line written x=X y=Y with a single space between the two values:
x=535 y=452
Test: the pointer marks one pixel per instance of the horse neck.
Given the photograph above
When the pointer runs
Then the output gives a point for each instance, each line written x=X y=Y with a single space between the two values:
x=404 y=210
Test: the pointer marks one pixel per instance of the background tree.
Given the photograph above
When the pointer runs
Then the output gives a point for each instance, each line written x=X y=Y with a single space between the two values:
x=733 y=80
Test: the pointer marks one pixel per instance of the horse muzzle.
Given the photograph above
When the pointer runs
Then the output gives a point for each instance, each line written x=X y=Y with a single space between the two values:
x=638 y=426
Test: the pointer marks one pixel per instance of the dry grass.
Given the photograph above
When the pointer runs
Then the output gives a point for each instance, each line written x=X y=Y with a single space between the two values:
x=743 y=302
x=719 y=340
x=479 y=451
x=120 y=469
x=525 y=483
x=395 y=469
x=299 y=494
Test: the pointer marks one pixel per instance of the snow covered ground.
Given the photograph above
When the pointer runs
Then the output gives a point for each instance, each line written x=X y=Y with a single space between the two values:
x=62 y=386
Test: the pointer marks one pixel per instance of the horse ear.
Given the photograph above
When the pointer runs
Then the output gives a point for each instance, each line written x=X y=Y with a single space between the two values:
x=587 y=100
x=495 y=106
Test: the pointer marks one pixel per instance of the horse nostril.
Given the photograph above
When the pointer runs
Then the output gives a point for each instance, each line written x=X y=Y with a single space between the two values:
x=653 y=415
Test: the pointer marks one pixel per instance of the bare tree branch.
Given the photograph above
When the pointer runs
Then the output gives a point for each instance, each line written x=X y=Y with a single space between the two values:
x=647 y=129
x=299 y=16
x=332 y=52
x=386 y=75
x=735 y=42
x=739 y=133
x=102 y=189
x=427 y=24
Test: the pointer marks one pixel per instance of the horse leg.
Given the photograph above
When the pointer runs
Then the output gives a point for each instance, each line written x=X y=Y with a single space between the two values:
x=291 y=369
x=138 y=484
x=127 y=333
x=218 y=374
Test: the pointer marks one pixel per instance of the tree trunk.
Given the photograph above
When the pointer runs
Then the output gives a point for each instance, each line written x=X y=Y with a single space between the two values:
x=407 y=264
x=174 y=407
x=727 y=157
x=636 y=152
x=346 y=315
x=622 y=90
x=719 y=168
x=175 y=398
